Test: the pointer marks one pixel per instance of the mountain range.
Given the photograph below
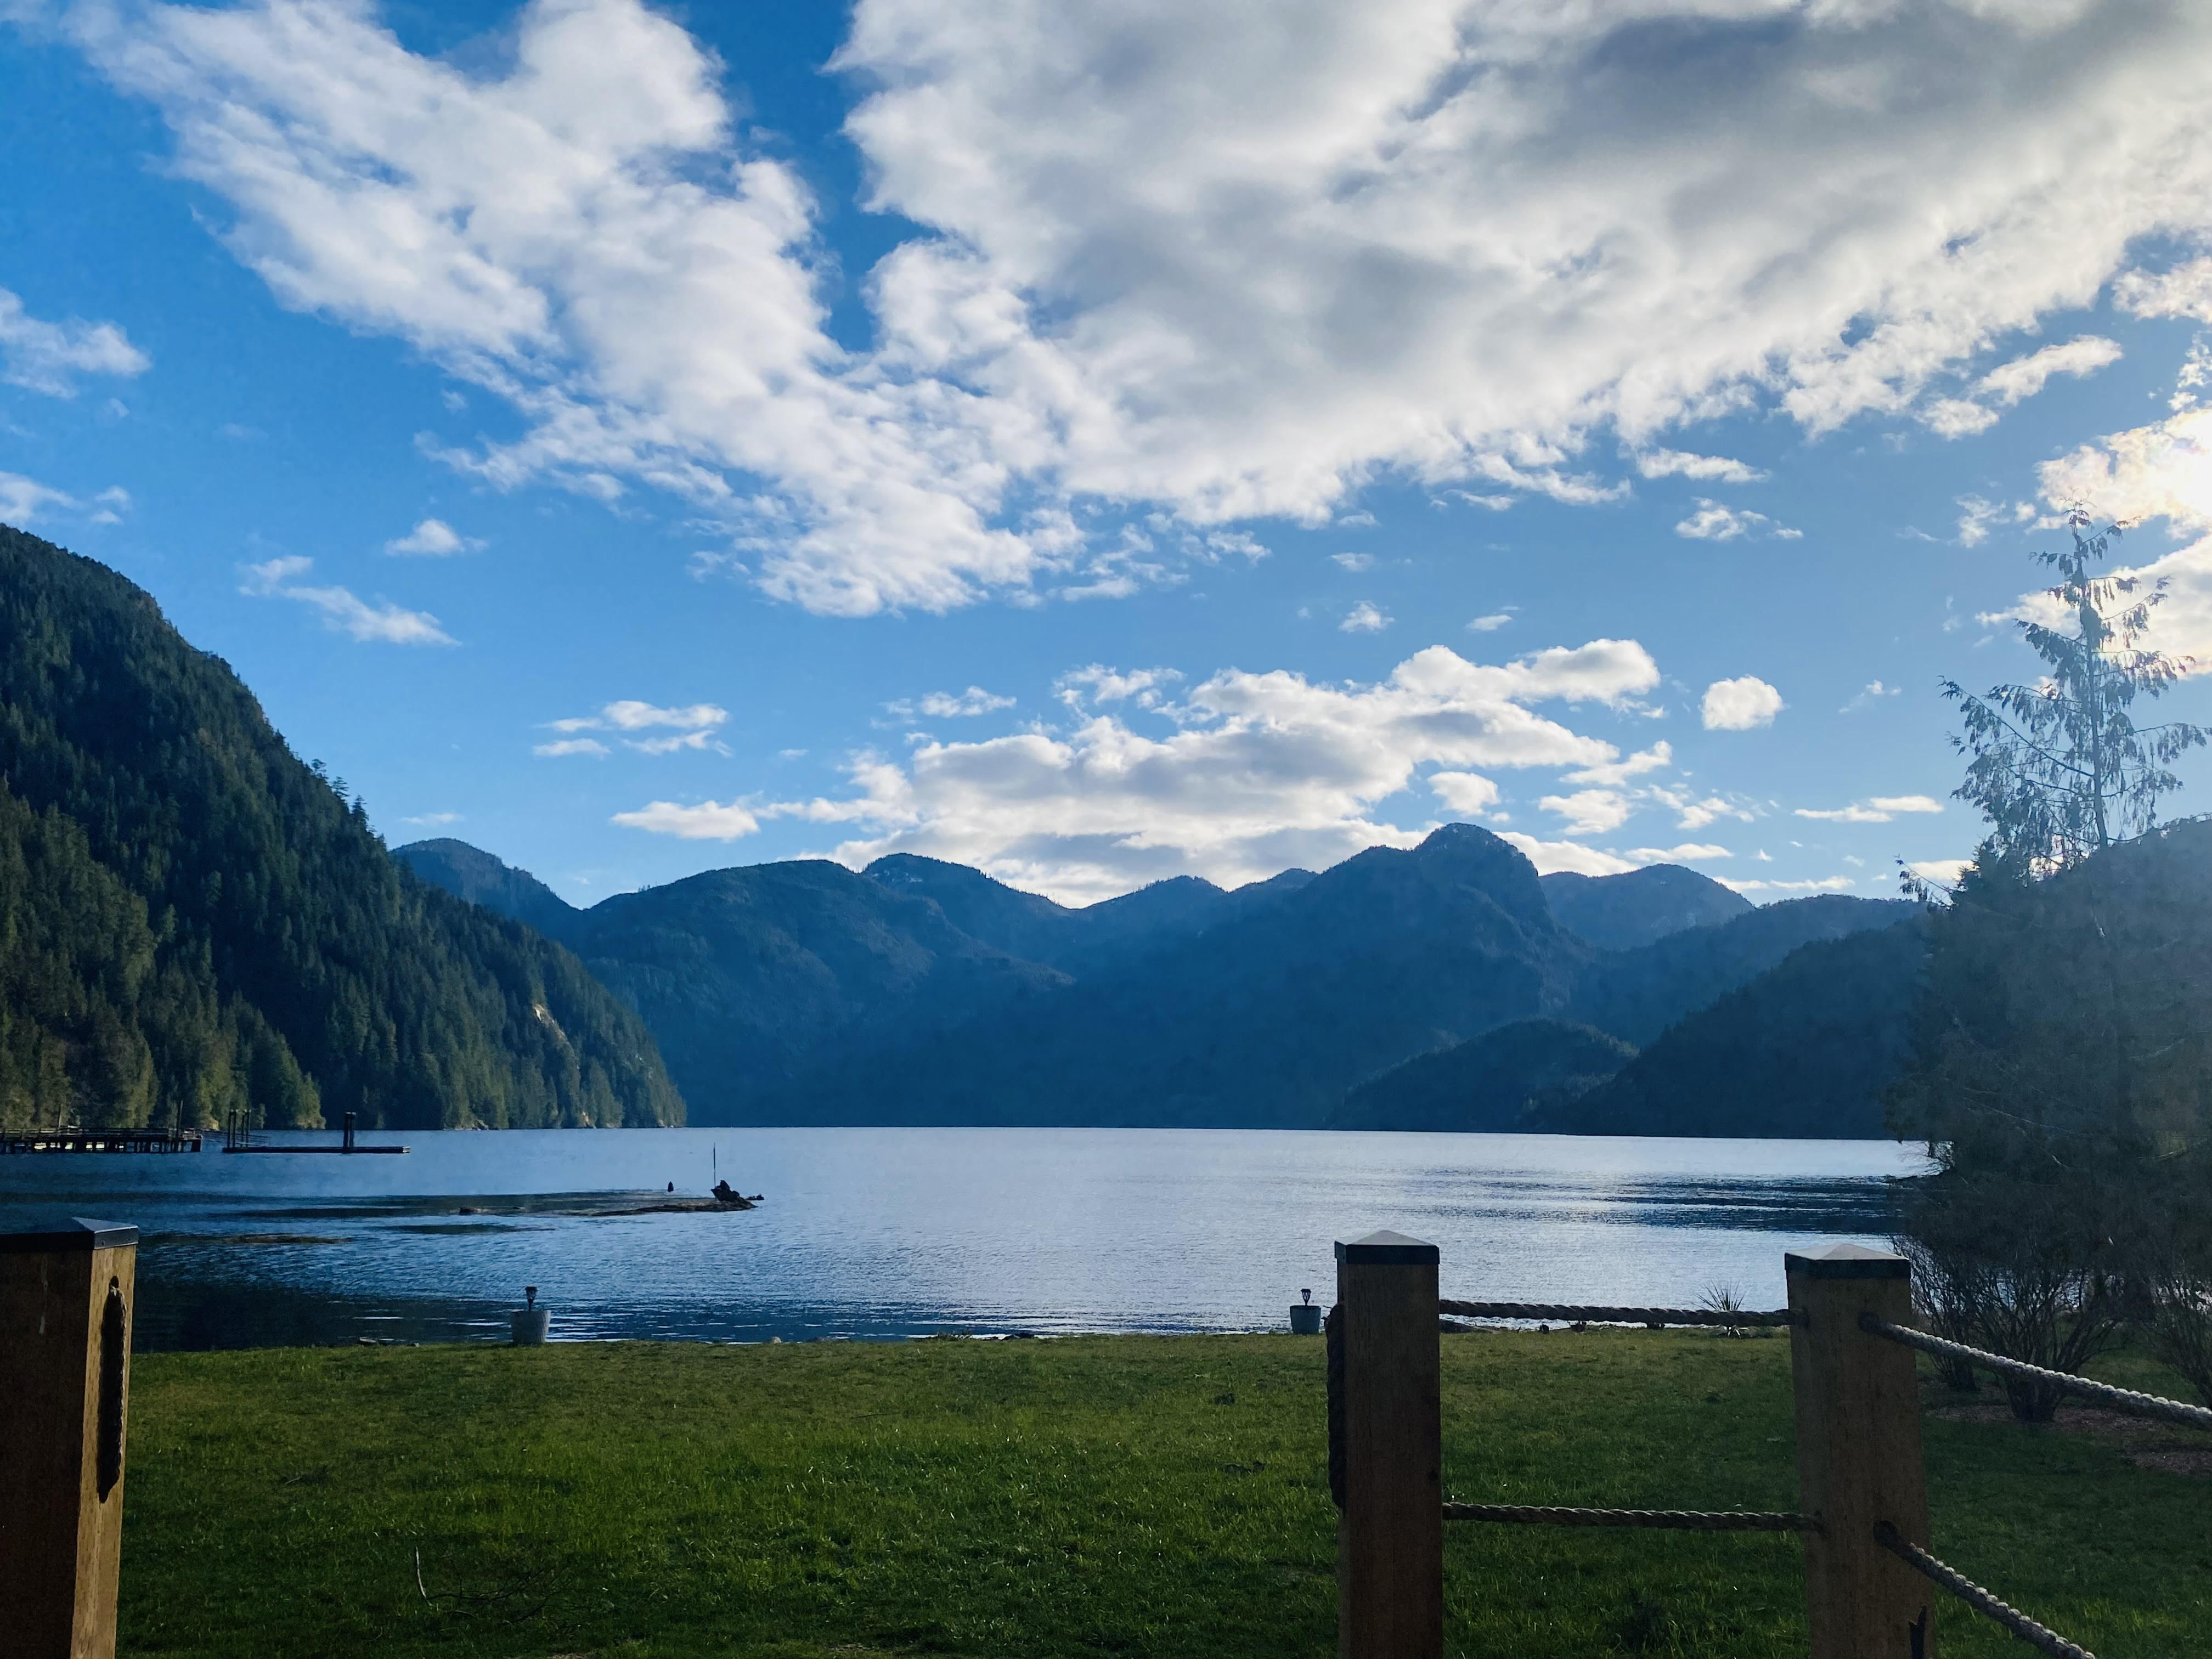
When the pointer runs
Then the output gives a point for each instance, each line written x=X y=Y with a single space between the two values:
x=917 y=991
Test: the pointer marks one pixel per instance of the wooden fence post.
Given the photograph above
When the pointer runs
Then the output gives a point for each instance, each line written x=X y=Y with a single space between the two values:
x=1390 y=1537
x=1858 y=1454
x=67 y=1288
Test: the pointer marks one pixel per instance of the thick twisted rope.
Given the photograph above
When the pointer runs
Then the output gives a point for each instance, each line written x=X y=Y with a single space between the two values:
x=2120 y=1400
x=2035 y=1635
x=1539 y=1515
x=1572 y=1316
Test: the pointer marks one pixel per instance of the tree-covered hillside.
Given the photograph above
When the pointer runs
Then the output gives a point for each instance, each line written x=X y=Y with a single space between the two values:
x=192 y=921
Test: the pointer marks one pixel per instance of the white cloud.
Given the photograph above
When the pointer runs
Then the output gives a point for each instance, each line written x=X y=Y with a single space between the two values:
x=2014 y=382
x=1364 y=618
x=694 y=728
x=2022 y=378
x=945 y=705
x=2183 y=291
x=433 y=820
x=1354 y=562
x=561 y=747
x=342 y=610
x=1692 y=813
x=1690 y=852
x=1590 y=811
x=1145 y=686
x=1678 y=464
x=2163 y=470
x=47 y=357
x=1490 y=624
x=1871 y=693
x=1825 y=885
x=1551 y=856
x=1259 y=771
x=433 y=538
x=1230 y=261
x=708 y=821
x=22 y=500
x=1978 y=516
x=1957 y=417
x=1740 y=705
x=1468 y=794
x=1714 y=522
x=1659 y=756
x=1881 y=810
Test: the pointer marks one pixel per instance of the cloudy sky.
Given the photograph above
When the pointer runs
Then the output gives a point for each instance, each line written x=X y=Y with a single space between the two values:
x=1103 y=443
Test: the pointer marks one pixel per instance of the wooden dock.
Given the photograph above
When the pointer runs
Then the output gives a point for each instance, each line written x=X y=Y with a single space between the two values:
x=238 y=1137
x=101 y=1140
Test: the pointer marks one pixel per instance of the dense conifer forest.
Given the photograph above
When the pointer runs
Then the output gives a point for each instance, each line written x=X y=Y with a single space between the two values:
x=194 y=921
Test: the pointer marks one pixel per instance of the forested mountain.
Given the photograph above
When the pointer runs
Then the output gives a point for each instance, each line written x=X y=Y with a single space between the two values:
x=192 y=922
x=1807 y=1049
x=476 y=876
x=1498 y=1081
x=1638 y=907
x=1637 y=995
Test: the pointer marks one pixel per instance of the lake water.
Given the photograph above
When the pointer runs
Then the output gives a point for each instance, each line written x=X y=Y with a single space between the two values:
x=885 y=1233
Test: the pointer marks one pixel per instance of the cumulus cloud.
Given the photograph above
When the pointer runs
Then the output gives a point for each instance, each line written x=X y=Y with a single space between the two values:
x=946 y=705
x=706 y=821
x=693 y=727
x=433 y=538
x=1490 y=624
x=1364 y=618
x=2183 y=291
x=1679 y=464
x=1247 y=773
x=1613 y=773
x=1590 y=812
x=1880 y=810
x=1354 y=562
x=1740 y=705
x=1223 y=262
x=342 y=612
x=1945 y=871
x=1468 y=794
x=48 y=357
x=1714 y=522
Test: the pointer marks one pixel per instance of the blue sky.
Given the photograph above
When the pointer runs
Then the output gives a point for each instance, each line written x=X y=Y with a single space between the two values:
x=1099 y=446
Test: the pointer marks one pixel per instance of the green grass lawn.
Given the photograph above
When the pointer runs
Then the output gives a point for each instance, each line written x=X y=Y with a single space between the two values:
x=1094 y=1496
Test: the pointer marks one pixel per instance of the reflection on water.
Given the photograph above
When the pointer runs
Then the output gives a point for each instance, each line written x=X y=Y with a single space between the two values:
x=875 y=1233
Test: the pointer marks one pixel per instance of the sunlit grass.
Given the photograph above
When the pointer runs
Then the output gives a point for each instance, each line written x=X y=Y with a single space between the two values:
x=1101 y=1496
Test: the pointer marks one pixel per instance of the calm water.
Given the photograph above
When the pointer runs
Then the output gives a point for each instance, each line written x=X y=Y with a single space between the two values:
x=877 y=1233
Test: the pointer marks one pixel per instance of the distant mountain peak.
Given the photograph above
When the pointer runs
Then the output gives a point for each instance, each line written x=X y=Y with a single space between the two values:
x=481 y=877
x=1638 y=907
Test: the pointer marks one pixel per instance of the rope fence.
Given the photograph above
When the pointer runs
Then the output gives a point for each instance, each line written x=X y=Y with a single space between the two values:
x=2119 y=1400
x=1566 y=1315
x=1861 y=1502
x=1981 y=1601
x=1540 y=1514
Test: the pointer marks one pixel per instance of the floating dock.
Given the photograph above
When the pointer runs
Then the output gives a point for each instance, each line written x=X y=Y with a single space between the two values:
x=238 y=1137
x=101 y=1141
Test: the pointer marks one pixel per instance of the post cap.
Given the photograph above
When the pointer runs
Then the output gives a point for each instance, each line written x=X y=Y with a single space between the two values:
x=1388 y=1249
x=51 y=1233
x=1846 y=1261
